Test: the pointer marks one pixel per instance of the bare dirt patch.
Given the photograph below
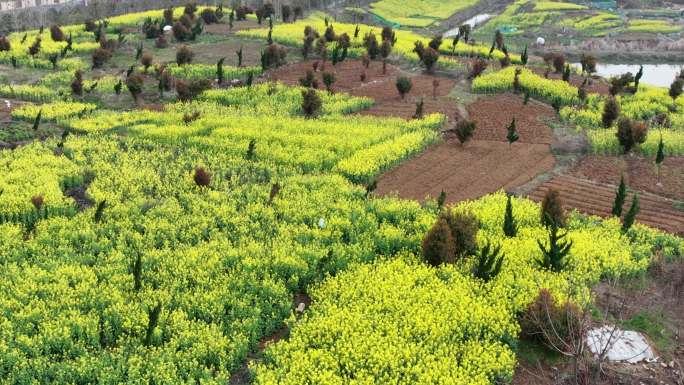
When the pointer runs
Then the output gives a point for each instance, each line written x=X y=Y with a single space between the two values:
x=595 y=198
x=467 y=171
x=224 y=28
x=493 y=115
x=640 y=173
x=347 y=74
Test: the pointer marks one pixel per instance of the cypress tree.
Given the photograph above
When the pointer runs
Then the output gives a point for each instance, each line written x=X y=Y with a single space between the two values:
x=524 y=57
x=137 y=273
x=660 y=156
x=512 y=133
x=36 y=121
x=637 y=78
x=153 y=320
x=510 y=227
x=442 y=199
x=620 y=196
x=219 y=70
x=489 y=262
x=553 y=257
x=630 y=217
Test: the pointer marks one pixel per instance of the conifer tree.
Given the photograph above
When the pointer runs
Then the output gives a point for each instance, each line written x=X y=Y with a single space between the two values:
x=489 y=262
x=620 y=196
x=153 y=320
x=442 y=199
x=36 y=121
x=660 y=157
x=219 y=70
x=630 y=217
x=512 y=133
x=510 y=227
x=553 y=257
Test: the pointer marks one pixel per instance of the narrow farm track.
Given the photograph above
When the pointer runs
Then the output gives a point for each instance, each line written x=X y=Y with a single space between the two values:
x=594 y=198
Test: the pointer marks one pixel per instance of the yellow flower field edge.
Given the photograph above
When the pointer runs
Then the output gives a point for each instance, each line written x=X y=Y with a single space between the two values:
x=292 y=34
x=442 y=325
x=535 y=85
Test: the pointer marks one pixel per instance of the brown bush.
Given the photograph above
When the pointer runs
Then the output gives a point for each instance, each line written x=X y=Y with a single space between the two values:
x=438 y=244
x=56 y=33
x=429 y=58
x=180 y=31
x=559 y=63
x=273 y=56
x=37 y=201
x=188 y=90
x=611 y=111
x=209 y=16
x=135 y=84
x=77 y=84
x=552 y=208
x=146 y=60
x=202 y=177
x=5 y=44
x=477 y=67
x=100 y=57
x=90 y=25
x=311 y=103
x=184 y=55
x=556 y=326
x=242 y=12
x=464 y=226
x=630 y=133
x=464 y=130
x=161 y=42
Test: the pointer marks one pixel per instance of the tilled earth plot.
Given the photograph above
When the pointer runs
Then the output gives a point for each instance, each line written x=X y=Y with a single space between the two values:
x=467 y=171
x=378 y=86
x=594 y=198
x=493 y=114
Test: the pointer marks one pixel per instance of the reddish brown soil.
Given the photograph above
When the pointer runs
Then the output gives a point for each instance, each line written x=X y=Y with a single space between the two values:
x=597 y=199
x=347 y=74
x=467 y=172
x=596 y=85
x=640 y=173
x=378 y=86
x=493 y=115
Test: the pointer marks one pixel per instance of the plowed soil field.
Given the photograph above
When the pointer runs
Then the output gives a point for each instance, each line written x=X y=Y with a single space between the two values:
x=378 y=86
x=595 y=198
x=466 y=171
x=493 y=115
x=640 y=173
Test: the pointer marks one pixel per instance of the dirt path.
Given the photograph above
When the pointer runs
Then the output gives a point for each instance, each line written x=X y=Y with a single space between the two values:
x=596 y=198
x=467 y=172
